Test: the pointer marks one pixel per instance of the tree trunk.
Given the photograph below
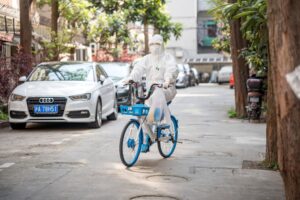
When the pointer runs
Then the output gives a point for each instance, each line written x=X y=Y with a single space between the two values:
x=271 y=154
x=25 y=34
x=284 y=36
x=54 y=16
x=240 y=68
x=146 y=36
x=54 y=25
x=26 y=28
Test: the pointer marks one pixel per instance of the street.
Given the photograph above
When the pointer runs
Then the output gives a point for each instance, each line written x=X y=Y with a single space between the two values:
x=71 y=161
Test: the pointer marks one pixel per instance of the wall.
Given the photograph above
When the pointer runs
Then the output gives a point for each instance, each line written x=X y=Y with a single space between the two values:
x=187 y=44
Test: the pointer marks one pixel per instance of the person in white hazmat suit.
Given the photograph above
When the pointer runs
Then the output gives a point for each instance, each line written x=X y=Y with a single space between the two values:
x=159 y=67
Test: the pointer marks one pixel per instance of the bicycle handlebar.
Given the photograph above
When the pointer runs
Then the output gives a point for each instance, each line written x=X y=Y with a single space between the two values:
x=131 y=82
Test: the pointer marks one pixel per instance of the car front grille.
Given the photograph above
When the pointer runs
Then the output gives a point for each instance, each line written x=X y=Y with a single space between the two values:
x=60 y=101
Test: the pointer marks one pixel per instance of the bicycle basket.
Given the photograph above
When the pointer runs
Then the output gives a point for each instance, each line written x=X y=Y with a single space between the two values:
x=135 y=110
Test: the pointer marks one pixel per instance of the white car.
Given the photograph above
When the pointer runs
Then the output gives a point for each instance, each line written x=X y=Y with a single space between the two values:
x=63 y=92
x=224 y=74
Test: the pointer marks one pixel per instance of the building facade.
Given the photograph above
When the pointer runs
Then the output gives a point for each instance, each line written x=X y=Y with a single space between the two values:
x=9 y=28
x=199 y=30
x=184 y=12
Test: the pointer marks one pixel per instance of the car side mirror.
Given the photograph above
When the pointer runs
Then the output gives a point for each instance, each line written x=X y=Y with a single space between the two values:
x=102 y=78
x=22 y=79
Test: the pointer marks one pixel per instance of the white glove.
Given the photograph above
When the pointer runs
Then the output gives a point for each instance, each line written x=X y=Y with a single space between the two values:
x=166 y=84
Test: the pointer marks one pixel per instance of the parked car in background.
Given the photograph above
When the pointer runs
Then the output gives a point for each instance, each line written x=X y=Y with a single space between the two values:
x=182 y=80
x=231 y=81
x=190 y=74
x=224 y=74
x=63 y=92
x=196 y=75
x=213 y=76
x=118 y=71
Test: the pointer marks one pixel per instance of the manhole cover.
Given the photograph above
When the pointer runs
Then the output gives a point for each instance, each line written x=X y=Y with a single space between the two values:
x=215 y=137
x=188 y=140
x=140 y=169
x=198 y=124
x=167 y=178
x=211 y=153
x=149 y=197
x=26 y=154
x=198 y=169
x=19 y=154
x=42 y=146
x=59 y=165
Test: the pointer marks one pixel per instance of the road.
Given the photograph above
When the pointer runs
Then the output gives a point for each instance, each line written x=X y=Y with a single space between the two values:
x=70 y=161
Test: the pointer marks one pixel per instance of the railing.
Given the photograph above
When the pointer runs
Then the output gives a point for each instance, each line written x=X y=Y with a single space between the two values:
x=209 y=60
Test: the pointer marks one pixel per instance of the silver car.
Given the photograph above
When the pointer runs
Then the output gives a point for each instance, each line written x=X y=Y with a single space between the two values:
x=224 y=74
x=182 y=80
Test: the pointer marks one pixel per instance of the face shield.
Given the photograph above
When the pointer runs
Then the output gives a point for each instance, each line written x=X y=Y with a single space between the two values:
x=156 y=45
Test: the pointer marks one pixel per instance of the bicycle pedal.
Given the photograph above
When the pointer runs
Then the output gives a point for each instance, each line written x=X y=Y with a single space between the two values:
x=145 y=148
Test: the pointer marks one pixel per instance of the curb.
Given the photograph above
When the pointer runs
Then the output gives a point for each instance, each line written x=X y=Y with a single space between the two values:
x=4 y=124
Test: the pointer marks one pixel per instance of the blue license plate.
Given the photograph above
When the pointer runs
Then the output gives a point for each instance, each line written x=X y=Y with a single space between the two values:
x=45 y=109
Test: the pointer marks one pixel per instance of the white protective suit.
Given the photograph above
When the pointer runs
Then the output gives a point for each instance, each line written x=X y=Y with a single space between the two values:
x=159 y=67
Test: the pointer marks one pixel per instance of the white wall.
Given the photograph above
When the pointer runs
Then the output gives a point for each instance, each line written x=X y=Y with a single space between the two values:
x=204 y=5
x=185 y=12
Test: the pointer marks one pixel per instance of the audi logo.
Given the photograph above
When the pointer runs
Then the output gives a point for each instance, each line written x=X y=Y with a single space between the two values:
x=46 y=100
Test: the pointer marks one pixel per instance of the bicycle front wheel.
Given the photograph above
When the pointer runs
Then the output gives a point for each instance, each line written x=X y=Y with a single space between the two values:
x=166 y=147
x=130 y=143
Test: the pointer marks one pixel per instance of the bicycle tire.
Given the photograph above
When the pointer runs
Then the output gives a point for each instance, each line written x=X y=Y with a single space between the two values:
x=133 y=145
x=174 y=140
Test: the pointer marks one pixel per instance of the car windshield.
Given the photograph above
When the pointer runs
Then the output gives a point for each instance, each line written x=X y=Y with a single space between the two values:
x=181 y=68
x=226 y=69
x=63 y=72
x=116 y=71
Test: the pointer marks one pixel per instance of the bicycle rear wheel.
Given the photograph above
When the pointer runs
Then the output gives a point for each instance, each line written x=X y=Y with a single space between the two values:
x=166 y=147
x=130 y=143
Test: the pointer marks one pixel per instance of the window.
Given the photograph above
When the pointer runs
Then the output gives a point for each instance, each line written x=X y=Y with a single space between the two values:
x=99 y=72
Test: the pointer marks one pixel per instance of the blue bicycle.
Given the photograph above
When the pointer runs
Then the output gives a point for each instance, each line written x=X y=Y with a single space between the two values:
x=132 y=142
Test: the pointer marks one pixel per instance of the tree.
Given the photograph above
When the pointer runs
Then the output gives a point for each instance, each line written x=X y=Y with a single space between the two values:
x=253 y=15
x=284 y=34
x=151 y=12
x=54 y=16
x=25 y=32
x=148 y=12
x=75 y=16
x=238 y=43
x=240 y=68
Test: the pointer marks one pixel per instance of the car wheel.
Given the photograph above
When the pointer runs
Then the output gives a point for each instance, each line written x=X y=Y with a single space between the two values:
x=17 y=126
x=98 y=116
x=114 y=115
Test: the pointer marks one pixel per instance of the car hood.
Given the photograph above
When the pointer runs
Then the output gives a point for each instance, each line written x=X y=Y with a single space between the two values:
x=55 y=88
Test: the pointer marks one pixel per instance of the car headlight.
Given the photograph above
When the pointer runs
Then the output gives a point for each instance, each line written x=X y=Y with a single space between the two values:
x=16 y=97
x=81 y=97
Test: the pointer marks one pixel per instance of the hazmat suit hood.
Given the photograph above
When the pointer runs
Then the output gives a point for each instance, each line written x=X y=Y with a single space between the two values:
x=156 y=46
